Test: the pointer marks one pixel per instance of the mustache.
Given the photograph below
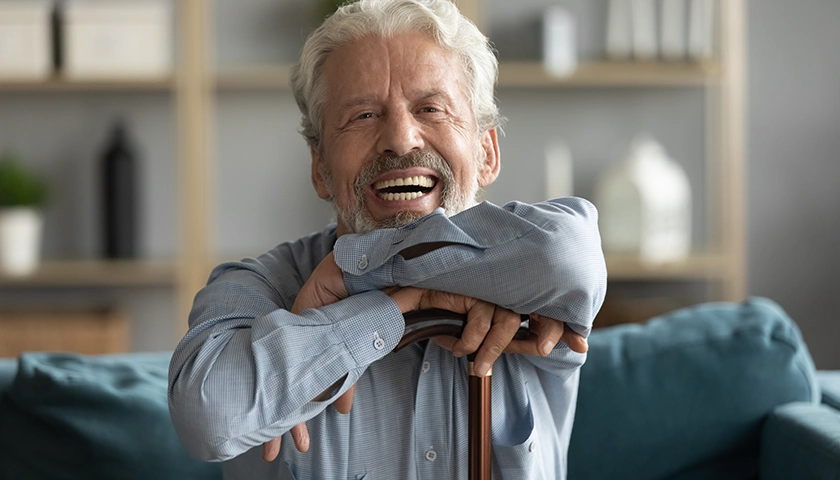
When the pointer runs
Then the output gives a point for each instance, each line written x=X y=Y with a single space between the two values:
x=420 y=158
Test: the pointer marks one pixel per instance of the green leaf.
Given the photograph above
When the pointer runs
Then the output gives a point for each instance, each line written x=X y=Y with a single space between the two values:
x=18 y=186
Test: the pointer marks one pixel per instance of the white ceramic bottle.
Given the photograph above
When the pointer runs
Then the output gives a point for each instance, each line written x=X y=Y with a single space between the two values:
x=644 y=204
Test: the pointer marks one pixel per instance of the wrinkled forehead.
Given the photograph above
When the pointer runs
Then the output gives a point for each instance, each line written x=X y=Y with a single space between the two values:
x=410 y=63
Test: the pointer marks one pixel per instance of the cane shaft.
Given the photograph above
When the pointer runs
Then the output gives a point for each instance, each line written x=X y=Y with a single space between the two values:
x=425 y=324
x=480 y=414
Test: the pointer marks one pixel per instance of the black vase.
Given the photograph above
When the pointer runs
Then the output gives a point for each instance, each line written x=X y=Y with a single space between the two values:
x=119 y=196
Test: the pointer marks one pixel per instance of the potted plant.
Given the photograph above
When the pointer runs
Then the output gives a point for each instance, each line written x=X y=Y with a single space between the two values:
x=22 y=195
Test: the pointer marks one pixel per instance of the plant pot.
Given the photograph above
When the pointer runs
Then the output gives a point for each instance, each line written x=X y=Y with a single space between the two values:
x=20 y=240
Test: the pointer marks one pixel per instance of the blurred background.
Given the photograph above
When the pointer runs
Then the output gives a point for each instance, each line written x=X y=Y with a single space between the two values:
x=143 y=142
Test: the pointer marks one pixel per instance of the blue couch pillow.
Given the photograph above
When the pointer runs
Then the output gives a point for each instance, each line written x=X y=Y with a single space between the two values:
x=93 y=417
x=684 y=395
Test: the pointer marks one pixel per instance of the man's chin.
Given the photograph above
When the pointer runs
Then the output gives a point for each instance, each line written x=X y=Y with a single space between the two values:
x=401 y=219
x=363 y=223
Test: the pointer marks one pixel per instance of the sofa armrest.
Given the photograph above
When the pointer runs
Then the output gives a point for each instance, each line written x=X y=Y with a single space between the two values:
x=801 y=440
x=830 y=384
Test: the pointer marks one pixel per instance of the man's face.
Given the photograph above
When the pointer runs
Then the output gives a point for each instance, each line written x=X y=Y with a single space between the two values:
x=399 y=138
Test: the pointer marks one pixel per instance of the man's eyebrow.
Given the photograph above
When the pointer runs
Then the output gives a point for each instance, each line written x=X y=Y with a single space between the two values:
x=357 y=101
x=430 y=95
x=362 y=100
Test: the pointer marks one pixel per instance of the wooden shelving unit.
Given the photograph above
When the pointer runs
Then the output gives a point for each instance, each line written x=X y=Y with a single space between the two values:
x=58 y=84
x=610 y=74
x=525 y=75
x=194 y=87
x=97 y=273
x=256 y=78
x=698 y=266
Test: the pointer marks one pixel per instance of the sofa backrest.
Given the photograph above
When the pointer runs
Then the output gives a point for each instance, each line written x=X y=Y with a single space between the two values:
x=685 y=395
x=8 y=369
x=93 y=417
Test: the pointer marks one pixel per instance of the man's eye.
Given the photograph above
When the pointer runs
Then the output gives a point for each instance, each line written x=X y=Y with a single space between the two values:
x=365 y=115
x=430 y=110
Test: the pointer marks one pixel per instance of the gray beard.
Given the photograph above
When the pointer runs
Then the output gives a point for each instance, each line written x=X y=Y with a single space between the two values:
x=454 y=199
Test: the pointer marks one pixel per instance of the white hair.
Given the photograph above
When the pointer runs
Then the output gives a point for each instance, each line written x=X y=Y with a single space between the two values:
x=440 y=19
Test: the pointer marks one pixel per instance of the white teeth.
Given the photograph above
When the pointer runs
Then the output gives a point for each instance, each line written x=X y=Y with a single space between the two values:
x=392 y=197
x=418 y=181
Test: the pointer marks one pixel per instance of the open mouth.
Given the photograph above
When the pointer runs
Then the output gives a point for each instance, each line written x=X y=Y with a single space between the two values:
x=408 y=188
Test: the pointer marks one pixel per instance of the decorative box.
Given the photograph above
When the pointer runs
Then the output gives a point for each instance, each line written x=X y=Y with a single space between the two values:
x=117 y=39
x=25 y=51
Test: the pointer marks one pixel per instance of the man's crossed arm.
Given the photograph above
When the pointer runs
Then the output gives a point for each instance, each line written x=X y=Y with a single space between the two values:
x=473 y=250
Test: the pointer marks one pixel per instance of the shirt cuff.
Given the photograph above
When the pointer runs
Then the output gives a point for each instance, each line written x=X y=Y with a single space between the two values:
x=370 y=325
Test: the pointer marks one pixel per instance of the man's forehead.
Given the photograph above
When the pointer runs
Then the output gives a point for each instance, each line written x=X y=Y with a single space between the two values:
x=358 y=70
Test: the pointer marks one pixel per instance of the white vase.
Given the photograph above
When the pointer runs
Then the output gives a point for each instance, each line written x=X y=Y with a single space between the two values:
x=645 y=205
x=20 y=240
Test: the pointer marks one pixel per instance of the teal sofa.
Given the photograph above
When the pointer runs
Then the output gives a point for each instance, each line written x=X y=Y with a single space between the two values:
x=717 y=391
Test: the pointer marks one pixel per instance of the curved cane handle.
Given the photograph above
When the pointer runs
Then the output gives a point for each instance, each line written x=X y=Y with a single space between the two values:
x=424 y=324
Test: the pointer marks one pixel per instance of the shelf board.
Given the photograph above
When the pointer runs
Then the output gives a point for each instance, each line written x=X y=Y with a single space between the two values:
x=698 y=266
x=97 y=273
x=58 y=84
x=254 y=78
x=523 y=75
x=610 y=74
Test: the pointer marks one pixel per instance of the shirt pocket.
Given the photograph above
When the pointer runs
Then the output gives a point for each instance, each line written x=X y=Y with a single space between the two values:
x=518 y=461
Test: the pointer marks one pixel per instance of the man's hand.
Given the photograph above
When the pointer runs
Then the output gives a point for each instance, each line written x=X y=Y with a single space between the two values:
x=324 y=287
x=491 y=334
x=490 y=329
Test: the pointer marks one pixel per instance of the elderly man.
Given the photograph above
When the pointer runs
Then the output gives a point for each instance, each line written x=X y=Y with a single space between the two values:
x=398 y=110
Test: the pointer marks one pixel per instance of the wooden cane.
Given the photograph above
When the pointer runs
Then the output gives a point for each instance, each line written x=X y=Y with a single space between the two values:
x=425 y=324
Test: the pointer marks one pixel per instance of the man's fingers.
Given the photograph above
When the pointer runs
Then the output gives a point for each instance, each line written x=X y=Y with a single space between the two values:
x=300 y=435
x=479 y=323
x=344 y=403
x=575 y=341
x=271 y=448
x=505 y=325
x=545 y=333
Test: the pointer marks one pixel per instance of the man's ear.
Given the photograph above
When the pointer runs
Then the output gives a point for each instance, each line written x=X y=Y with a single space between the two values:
x=492 y=158
x=318 y=180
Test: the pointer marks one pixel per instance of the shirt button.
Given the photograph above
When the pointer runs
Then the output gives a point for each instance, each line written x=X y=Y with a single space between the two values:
x=426 y=366
x=378 y=343
x=431 y=455
x=363 y=263
x=532 y=447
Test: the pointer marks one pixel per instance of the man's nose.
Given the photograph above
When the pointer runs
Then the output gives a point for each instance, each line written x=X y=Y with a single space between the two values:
x=401 y=133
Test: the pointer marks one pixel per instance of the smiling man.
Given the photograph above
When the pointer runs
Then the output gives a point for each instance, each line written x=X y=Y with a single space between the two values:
x=401 y=108
x=397 y=103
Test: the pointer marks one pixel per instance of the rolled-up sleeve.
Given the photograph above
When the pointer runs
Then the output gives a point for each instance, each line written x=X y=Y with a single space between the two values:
x=544 y=258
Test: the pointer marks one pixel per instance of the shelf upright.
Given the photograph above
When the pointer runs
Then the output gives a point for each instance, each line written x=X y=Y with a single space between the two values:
x=472 y=9
x=726 y=153
x=194 y=92
x=732 y=152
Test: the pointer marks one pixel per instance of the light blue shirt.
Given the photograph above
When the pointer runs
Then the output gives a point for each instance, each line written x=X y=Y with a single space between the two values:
x=247 y=369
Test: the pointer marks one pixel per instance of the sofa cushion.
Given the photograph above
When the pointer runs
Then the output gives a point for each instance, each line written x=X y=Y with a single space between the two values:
x=684 y=395
x=93 y=417
x=801 y=441
x=830 y=386
x=8 y=368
